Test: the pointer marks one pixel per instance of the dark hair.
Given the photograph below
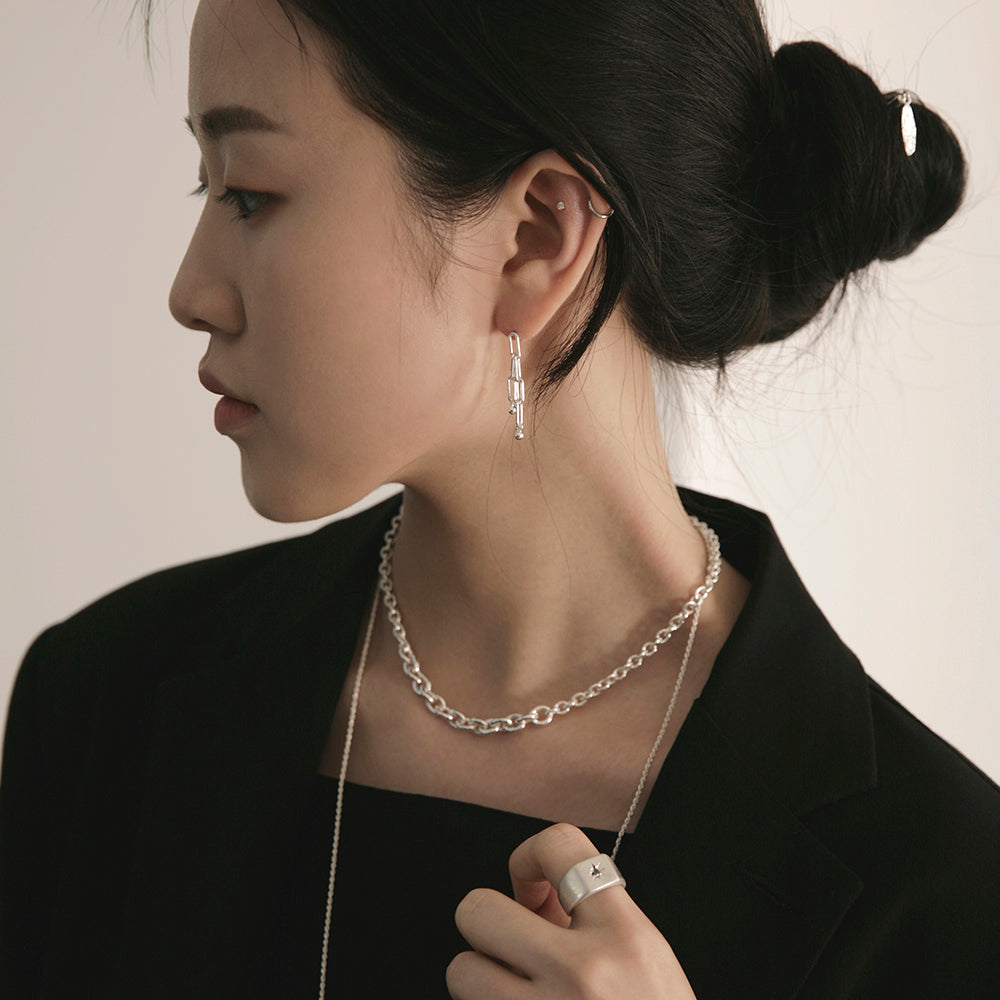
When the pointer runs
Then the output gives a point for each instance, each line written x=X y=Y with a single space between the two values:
x=746 y=185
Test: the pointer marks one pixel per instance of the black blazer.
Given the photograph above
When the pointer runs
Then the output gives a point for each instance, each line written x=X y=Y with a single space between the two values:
x=806 y=837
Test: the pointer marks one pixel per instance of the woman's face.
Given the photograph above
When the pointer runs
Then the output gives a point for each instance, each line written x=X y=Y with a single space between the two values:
x=312 y=284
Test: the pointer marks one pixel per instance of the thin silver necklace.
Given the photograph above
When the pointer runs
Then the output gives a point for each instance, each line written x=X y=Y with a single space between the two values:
x=696 y=602
x=348 y=739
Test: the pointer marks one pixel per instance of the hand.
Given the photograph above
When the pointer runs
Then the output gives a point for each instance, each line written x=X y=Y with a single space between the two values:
x=527 y=948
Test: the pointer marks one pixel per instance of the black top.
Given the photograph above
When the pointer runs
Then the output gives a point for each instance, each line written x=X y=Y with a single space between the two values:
x=806 y=836
x=404 y=863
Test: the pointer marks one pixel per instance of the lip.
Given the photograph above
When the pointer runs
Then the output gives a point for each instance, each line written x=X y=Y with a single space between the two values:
x=210 y=382
x=231 y=412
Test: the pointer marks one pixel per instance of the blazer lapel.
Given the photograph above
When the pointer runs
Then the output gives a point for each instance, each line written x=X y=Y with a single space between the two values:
x=237 y=740
x=744 y=893
x=724 y=860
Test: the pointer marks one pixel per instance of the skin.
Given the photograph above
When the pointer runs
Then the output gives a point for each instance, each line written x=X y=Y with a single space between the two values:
x=551 y=559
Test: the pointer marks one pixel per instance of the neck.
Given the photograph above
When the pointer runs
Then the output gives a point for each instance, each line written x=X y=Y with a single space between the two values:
x=518 y=581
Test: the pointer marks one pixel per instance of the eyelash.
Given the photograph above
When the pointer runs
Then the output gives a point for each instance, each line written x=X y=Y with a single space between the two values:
x=238 y=199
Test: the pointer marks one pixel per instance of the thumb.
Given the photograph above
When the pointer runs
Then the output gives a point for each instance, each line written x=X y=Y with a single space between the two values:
x=539 y=862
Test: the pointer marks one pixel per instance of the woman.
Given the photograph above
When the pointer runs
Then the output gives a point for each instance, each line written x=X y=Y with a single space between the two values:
x=440 y=248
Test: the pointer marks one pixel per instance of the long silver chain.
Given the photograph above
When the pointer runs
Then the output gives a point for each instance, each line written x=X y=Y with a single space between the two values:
x=659 y=736
x=696 y=602
x=540 y=715
x=345 y=757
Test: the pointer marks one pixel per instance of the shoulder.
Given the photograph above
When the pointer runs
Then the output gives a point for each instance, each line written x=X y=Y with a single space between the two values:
x=905 y=745
x=925 y=842
x=944 y=811
x=181 y=592
x=931 y=817
x=95 y=694
x=124 y=638
x=913 y=819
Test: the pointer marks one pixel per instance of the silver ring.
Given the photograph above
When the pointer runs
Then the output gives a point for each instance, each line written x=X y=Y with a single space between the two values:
x=586 y=878
x=600 y=215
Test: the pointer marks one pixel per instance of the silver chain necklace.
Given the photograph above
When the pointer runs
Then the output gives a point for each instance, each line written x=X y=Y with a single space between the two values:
x=540 y=715
x=692 y=610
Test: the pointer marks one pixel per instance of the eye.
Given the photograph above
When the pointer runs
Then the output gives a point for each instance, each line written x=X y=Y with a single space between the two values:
x=244 y=203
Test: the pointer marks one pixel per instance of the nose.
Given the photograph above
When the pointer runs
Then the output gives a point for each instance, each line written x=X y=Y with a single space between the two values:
x=204 y=295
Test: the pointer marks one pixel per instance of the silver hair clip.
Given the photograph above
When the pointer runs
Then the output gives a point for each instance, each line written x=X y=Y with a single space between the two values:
x=907 y=123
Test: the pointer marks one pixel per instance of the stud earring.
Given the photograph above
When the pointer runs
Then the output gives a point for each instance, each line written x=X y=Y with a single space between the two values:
x=515 y=386
x=560 y=206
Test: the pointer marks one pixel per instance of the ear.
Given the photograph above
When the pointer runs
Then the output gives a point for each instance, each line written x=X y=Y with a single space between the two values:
x=550 y=237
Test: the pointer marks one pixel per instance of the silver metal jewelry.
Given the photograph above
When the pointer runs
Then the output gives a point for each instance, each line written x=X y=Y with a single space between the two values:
x=587 y=877
x=540 y=715
x=560 y=206
x=344 y=758
x=907 y=123
x=515 y=386
x=654 y=750
x=650 y=758
x=600 y=215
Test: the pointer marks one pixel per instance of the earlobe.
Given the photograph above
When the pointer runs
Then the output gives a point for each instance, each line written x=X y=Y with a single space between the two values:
x=556 y=230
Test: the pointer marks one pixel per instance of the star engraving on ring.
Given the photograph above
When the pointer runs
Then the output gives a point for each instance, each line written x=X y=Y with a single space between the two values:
x=596 y=871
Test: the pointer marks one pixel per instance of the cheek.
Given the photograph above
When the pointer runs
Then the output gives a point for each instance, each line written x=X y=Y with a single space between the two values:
x=350 y=344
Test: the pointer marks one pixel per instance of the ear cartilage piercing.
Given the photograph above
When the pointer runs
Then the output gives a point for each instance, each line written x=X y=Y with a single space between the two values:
x=515 y=386
x=560 y=206
x=600 y=215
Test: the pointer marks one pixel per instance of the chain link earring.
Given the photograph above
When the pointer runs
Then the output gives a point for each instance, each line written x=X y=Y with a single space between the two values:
x=515 y=386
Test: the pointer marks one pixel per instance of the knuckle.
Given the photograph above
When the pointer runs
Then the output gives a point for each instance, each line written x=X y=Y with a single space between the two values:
x=613 y=970
x=598 y=975
x=566 y=835
x=636 y=951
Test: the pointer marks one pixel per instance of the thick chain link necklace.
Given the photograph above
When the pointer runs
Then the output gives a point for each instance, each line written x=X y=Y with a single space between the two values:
x=540 y=715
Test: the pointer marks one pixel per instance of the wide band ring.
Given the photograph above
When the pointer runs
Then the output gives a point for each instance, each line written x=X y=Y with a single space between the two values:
x=587 y=877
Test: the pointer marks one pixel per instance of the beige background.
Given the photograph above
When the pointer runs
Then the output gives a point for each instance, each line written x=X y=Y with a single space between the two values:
x=875 y=451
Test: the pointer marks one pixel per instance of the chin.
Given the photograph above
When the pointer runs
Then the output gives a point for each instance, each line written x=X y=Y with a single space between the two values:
x=284 y=500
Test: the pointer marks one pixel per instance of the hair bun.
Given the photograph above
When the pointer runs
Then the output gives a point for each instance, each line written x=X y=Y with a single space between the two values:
x=839 y=190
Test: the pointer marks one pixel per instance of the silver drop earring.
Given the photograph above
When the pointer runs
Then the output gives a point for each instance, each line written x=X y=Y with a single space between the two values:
x=515 y=386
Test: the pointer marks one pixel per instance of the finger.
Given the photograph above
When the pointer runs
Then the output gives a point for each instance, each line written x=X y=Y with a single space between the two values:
x=551 y=909
x=539 y=863
x=541 y=898
x=502 y=929
x=472 y=976
x=545 y=858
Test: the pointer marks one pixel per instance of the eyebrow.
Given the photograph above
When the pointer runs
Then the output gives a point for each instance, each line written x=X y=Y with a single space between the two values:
x=217 y=122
